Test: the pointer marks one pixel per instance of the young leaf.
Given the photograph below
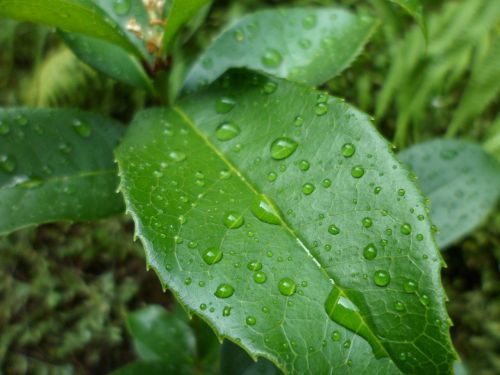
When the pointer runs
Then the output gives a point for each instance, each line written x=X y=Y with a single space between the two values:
x=462 y=182
x=180 y=12
x=79 y=16
x=56 y=165
x=161 y=336
x=279 y=215
x=415 y=9
x=303 y=44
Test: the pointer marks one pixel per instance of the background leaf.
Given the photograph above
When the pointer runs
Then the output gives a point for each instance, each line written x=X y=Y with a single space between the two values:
x=303 y=44
x=278 y=215
x=56 y=165
x=234 y=361
x=145 y=368
x=414 y=9
x=462 y=182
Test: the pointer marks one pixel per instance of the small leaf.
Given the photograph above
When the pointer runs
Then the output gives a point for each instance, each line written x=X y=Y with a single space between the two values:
x=303 y=44
x=415 y=9
x=56 y=165
x=79 y=16
x=461 y=180
x=300 y=292
x=180 y=12
x=162 y=336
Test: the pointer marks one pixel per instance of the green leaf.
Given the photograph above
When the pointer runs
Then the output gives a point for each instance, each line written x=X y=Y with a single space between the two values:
x=162 y=336
x=415 y=9
x=79 y=16
x=180 y=12
x=147 y=368
x=109 y=59
x=279 y=215
x=462 y=182
x=56 y=165
x=303 y=44
x=234 y=361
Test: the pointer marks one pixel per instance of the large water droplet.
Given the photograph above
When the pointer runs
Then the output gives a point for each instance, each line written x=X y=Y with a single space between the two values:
x=406 y=229
x=82 y=128
x=381 y=278
x=233 y=220
x=224 y=291
x=265 y=210
x=212 y=255
x=224 y=104
x=357 y=171
x=227 y=131
x=345 y=313
x=259 y=277
x=367 y=222
x=308 y=188
x=348 y=150
x=286 y=286
x=251 y=321
x=272 y=58
x=121 y=7
x=282 y=148
x=370 y=252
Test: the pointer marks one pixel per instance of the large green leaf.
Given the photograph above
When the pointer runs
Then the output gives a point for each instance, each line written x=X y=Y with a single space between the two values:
x=279 y=215
x=303 y=44
x=415 y=9
x=56 y=165
x=146 y=368
x=180 y=12
x=462 y=182
x=80 y=16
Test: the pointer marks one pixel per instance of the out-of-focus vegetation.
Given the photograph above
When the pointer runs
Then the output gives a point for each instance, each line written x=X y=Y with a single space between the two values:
x=65 y=289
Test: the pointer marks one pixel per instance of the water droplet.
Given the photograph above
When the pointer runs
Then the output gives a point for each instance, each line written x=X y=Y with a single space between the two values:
x=226 y=311
x=239 y=35
x=367 y=222
x=82 y=128
x=224 y=104
x=265 y=210
x=357 y=171
x=260 y=277
x=406 y=229
x=250 y=320
x=227 y=131
x=377 y=190
x=348 y=150
x=282 y=148
x=177 y=156
x=399 y=306
x=347 y=344
x=305 y=43
x=304 y=165
x=121 y=7
x=8 y=163
x=321 y=109
x=233 y=220
x=203 y=306
x=192 y=244
x=298 y=121
x=326 y=183
x=336 y=336
x=286 y=286
x=409 y=286
x=212 y=255
x=402 y=356
x=381 y=278
x=370 y=252
x=333 y=229
x=308 y=188
x=309 y=21
x=401 y=192
x=272 y=58
x=4 y=128
x=269 y=88
x=425 y=300
x=254 y=265
x=224 y=291
x=272 y=176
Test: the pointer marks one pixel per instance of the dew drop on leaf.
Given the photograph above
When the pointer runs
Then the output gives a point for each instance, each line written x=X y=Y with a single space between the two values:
x=321 y=109
x=286 y=286
x=282 y=148
x=308 y=188
x=348 y=150
x=260 y=277
x=367 y=222
x=381 y=278
x=7 y=163
x=224 y=291
x=272 y=58
x=226 y=311
x=304 y=165
x=406 y=229
x=399 y=306
x=333 y=229
x=121 y=7
x=212 y=255
x=309 y=21
x=233 y=220
x=177 y=156
x=239 y=35
x=82 y=128
x=270 y=87
x=357 y=171
x=336 y=336
x=272 y=176
x=409 y=286
x=370 y=252
x=251 y=321
x=224 y=104
x=227 y=131
x=265 y=211
x=326 y=183
x=254 y=265
x=298 y=121
x=425 y=300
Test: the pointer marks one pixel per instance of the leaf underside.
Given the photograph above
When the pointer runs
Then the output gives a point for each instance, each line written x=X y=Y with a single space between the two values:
x=286 y=232
x=56 y=165
x=462 y=182
x=302 y=44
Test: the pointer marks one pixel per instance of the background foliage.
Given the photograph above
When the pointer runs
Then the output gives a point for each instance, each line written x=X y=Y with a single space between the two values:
x=65 y=290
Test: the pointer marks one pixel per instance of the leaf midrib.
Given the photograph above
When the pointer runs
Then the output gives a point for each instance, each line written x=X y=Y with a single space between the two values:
x=284 y=224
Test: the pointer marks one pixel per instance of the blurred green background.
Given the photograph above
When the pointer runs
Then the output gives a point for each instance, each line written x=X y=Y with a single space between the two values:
x=66 y=289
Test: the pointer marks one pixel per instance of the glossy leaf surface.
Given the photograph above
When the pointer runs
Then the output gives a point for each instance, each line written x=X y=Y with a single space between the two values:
x=279 y=215
x=462 y=182
x=56 y=165
x=303 y=44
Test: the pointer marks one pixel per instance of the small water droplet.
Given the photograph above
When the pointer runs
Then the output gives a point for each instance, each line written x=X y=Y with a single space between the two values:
x=336 y=336
x=226 y=311
x=121 y=7
x=298 y=121
x=321 y=109
x=260 y=277
x=357 y=171
x=399 y=306
x=425 y=300
x=370 y=252
x=308 y=188
x=347 y=344
x=304 y=165
x=401 y=192
x=348 y=150
x=224 y=291
x=177 y=156
x=269 y=88
x=409 y=286
x=233 y=220
x=239 y=35
x=272 y=58
x=305 y=43
x=309 y=21
x=254 y=265
x=224 y=104
x=8 y=163
x=381 y=278
x=251 y=321
x=326 y=183
x=82 y=128
x=212 y=255
x=282 y=148
x=406 y=229
x=367 y=222
x=227 y=131
x=333 y=229
x=272 y=176
x=286 y=286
